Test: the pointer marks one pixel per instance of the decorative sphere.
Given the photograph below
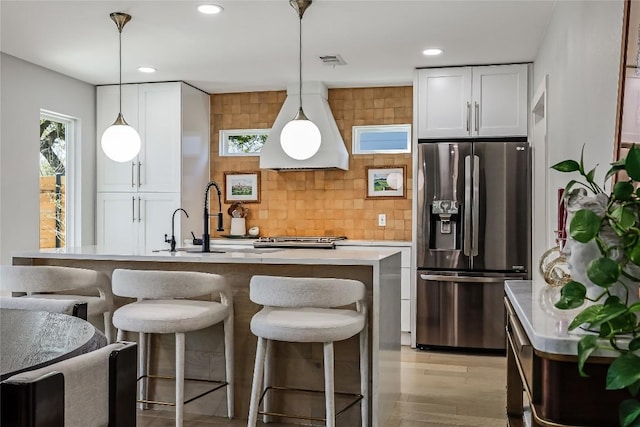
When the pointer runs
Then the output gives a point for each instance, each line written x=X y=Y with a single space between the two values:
x=300 y=139
x=121 y=143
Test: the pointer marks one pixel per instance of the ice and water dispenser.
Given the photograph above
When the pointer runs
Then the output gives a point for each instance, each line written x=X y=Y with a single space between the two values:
x=445 y=226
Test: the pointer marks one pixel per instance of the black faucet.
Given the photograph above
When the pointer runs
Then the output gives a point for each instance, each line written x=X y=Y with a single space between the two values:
x=172 y=241
x=205 y=235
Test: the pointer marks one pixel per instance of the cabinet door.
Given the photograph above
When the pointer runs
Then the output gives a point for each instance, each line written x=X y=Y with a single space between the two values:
x=500 y=100
x=156 y=210
x=160 y=118
x=444 y=96
x=117 y=222
x=115 y=176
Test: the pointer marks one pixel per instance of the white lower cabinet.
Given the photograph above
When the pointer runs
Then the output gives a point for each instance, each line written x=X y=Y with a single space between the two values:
x=129 y=222
x=405 y=282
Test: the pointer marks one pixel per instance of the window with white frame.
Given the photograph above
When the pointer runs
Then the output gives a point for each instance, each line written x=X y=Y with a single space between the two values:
x=381 y=139
x=242 y=142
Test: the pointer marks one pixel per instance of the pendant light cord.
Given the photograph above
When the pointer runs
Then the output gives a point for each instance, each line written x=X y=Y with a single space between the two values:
x=300 y=63
x=120 y=66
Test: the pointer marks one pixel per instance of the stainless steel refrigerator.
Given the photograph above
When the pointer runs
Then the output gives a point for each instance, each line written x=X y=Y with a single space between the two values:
x=473 y=232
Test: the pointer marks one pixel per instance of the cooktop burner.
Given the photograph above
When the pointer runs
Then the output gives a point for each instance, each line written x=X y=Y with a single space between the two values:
x=321 y=242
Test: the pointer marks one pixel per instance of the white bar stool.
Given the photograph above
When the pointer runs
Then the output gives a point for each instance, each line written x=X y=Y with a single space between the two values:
x=163 y=308
x=62 y=283
x=302 y=310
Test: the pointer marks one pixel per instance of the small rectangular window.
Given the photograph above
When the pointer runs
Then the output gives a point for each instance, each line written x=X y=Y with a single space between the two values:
x=387 y=139
x=242 y=142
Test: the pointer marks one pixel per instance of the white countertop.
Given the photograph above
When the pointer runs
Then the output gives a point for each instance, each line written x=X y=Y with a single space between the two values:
x=545 y=325
x=243 y=255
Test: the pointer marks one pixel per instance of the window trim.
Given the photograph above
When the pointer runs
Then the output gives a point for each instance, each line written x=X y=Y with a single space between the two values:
x=73 y=217
x=357 y=132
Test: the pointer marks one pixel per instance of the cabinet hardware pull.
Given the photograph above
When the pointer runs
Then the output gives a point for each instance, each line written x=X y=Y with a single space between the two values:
x=469 y=117
x=461 y=279
x=139 y=167
x=477 y=118
x=139 y=209
x=467 y=205
x=133 y=209
x=133 y=165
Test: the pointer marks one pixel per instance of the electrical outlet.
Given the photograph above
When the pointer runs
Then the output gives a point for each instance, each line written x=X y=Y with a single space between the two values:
x=382 y=220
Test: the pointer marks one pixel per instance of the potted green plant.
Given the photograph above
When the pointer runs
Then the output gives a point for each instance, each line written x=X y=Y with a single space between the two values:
x=611 y=315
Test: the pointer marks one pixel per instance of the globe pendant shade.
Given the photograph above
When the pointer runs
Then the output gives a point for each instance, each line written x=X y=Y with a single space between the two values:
x=300 y=139
x=120 y=142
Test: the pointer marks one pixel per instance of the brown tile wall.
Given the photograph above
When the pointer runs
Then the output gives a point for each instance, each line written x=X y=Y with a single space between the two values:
x=323 y=203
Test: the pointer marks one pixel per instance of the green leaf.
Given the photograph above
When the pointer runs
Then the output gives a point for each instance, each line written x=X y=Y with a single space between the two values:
x=635 y=307
x=632 y=163
x=634 y=344
x=566 y=166
x=570 y=185
x=622 y=219
x=584 y=226
x=625 y=323
x=633 y=253
x=623 y=371
x=596 y=314
x=591 y=174
x=581 y=164
x=633 y=389
x=603 y=271
x=572 y=295
x=623 y=190
x=586 y=346
x=629 y=413
x=615 y=168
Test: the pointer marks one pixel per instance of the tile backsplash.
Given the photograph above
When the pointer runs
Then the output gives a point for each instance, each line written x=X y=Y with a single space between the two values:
x=319 y=203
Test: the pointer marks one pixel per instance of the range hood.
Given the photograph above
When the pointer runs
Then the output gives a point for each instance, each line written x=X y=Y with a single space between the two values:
x=332 y=153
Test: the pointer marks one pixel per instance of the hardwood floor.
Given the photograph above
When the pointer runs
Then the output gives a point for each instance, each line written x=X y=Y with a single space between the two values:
x=438 y=390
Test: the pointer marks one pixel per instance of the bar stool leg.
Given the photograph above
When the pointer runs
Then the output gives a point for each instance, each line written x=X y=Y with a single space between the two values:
x=228 y=356
x=107 y=327
x=268 y=371
x=330 y=407
x=142 y=368
x=364 y=375
x=256 y=388
x=179 y=378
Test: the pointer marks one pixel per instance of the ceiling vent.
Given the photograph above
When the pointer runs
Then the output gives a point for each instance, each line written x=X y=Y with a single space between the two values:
x=332 y=60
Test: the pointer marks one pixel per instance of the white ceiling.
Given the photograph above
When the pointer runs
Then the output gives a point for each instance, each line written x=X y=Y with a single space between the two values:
x=253 y=45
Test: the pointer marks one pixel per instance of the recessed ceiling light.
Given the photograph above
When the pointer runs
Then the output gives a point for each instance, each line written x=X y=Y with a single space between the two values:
x=432 y=52
x=146 y=69
x=210 y=9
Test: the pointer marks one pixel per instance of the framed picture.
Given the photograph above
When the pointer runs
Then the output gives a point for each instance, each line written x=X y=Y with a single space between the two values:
x=382 y=139
x=242 y=142
x=385 y=181
x=242 y=187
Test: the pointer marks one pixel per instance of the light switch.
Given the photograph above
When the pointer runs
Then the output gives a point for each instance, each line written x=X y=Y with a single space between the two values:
x=382 y=220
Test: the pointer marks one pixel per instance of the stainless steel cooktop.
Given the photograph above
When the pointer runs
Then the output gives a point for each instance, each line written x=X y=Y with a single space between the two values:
x=320 y=242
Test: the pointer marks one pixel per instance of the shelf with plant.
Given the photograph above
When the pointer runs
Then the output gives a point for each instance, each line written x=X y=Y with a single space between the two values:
x=612 y=315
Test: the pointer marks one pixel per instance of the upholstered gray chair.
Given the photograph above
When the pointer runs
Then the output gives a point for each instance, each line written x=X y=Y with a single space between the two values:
x=163 y=307
x=61 y=283
x=95 y=389
x=303 y=310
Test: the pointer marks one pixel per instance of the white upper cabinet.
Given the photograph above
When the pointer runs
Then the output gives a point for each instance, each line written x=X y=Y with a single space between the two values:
x=154 y=110
x=631 y=109
x=466 y=102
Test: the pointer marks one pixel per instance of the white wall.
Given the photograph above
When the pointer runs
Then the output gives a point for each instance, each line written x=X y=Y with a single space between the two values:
x=581 y=55
x=25 y=90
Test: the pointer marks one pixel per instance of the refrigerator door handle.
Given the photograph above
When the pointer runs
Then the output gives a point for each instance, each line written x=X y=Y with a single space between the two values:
x=475 y=225
x=466 y=242
x=466 y=279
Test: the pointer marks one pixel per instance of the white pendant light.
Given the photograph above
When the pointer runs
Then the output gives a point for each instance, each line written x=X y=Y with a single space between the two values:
x=120 y=142
x=300 y=138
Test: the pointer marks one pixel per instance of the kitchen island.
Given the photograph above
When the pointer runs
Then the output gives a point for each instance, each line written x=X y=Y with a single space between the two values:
x=297 y=365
